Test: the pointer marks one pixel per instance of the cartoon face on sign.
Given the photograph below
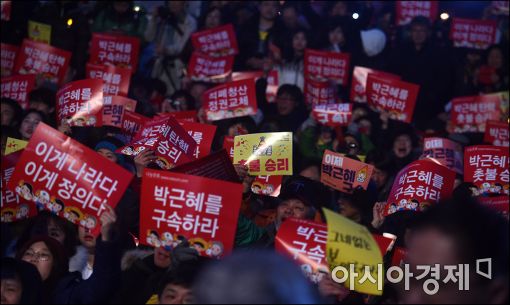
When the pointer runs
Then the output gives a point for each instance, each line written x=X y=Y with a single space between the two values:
x=22 y=211
x=55 y=205
x=24 y=190
x=216 y=249
x=361 y=177
x=88 y=222
x=73 y=214
x=42 y=199
x=167 y=240
x=153 y=239
x=8 y=214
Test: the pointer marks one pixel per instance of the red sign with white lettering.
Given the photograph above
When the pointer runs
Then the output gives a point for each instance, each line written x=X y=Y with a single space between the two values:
x=18 y=87
x=231 y=100
x=472 y=33
x=8 y=57
x=323 y=65
x=113 y=109
x=392 y=95
x=116 y=79
x=496 y=133
x=80 y=103
x=210 y=69
x=487 y=168
x=116 y=50
x=470 y=113
x=220 y=41
x=407 y=10
x=333 y=114
x=203 y=210
x=359 y=82
x=319 y=92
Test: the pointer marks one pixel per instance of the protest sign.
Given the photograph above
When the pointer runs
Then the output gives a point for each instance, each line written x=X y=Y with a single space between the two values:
x=206 y=68
x=231 y=100
x=39 y=32
x=219 y=41
x=116 y=80
x=324 y=65
x=344 y=174
x=470 y=113
x=203 y=210
x=267 y=185
x=114 y=108
x=487 y=168
x=265 y=153
x=359 y=82
x=116 y=50
x=320 y=92
x=69 y=179
x=407 y=10
x=333 y=115
x=445 y=152
x=8 y=57
x=472 y=33
x=496 y=133
x=80 y=103
x=18 y=87
x=203 y=134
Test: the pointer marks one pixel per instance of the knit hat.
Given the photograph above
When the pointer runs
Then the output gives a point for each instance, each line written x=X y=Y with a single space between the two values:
x=373 y=41
x=111 y=144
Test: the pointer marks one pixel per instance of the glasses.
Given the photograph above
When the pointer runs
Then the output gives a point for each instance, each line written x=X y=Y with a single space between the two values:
x=42 y=257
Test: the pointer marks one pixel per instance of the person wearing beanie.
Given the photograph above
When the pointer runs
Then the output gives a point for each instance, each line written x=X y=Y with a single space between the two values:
x=107 y=147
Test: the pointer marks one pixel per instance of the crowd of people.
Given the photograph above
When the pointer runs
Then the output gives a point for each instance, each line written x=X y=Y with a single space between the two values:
x=47 y=259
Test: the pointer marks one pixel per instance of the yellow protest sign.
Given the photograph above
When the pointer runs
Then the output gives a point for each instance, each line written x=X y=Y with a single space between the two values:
x=265 y=154
x=39 y=31
x=353 y=255
x=13 y=145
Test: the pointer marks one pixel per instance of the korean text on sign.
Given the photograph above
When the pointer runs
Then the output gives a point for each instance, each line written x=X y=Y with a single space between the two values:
x=265 y=153
x=471 y=33
x=40 y=58
x=80 y=103
x=18 y=87
x=320 y=92
x=114 y=108
x=7 y=56
x=407 y=10
x=327 y=66
x=445 y=152
x=333 y=114
x=394 y=96
x=470 y=113
x=203 y=210
x=116 y=79
x=219 y=41
x=203 y=67
x=233 y=99
x=496 y=133
x=487 y=168
x=114 y=50
x=76 y=180
x=305 y=242
x=344 y=174
x=359 y=82
x=419 y=185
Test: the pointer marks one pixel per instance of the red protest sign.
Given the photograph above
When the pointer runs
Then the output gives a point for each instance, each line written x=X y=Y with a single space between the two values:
x=40 y=58
x=384 y=242
x=499 y=204
x=171 y=143
x=327 y=66
x=132 y=122
x=359 y=82
x=399 y=257
x=392 y=95
x=472 y=33
x=444 y=152
x=116 y=50
x=228 y=145
x=116 y=79
x=304 y=242
x=272 y=81
x=6 y=10
x=333 y=114
x=487 y=168
x=203 y=210
x=186 y=116
x=496 y=133
x=113 y=109
x=344 y=174
x=319 y=93
x=80 y=103
x=7 y=56
x=202 y=67
x=470 y=113
x=14 y=207
x=231 y=100
x=407 y=10
x=203 y=134
x=418 y=185
x=18 y=87
x=78 y=180
x=219 y=41
x=267 y=185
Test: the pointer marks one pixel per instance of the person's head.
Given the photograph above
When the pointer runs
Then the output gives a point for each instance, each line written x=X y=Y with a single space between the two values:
x=336 y=34
x=420 y=30
x=288 y=98
x=312 y=171
x=213 y=18
x=162 y=258
x=107 y=147
x=356 y=206
x=495 y=57
x=21 y=282
x=181 y=100
x=48 y=224
x=176 y=286
x=43 y=100
x=177 y=8
x=373 y=41
x=268 y=10
x=11 y=112
x=47 y=255
x=121 y=7
x=352 y=143
x=299 y=41
x=196 y=90
x=257 y=277
x=339 y=8
x=87 y=239
x=29 y=123
x=290 y=15
x=298 y=199
x=365 y=125
x=403 y=142
x=449 y=233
